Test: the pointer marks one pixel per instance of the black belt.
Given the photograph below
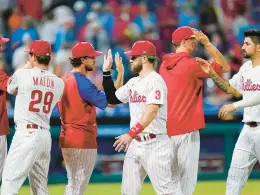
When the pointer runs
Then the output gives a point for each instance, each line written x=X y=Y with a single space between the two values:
x=252 y=124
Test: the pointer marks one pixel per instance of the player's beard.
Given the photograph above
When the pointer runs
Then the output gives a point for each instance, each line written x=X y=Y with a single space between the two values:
x=90 y=67
x=246 y=55
x=136 y=68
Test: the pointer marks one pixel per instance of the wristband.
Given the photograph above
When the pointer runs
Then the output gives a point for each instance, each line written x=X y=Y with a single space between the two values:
x=135 y=130
x=107 y=73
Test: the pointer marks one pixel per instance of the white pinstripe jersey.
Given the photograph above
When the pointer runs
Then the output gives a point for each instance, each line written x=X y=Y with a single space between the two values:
x=247 y=82
x=38 y=93
x=141 y=92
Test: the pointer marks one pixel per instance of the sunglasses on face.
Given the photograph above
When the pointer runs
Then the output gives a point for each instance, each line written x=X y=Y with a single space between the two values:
x=134 y=57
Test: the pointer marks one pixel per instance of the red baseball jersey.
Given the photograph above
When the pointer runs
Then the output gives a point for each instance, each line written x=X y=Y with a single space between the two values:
x=4 y=123
x=184 y=79
x=78 y=112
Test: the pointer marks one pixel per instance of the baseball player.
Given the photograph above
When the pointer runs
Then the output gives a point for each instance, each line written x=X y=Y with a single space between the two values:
x=37 y=91
x=247 y=83
x=4 y=124
x=184 y=79
x=78 y=115
x=148 y=147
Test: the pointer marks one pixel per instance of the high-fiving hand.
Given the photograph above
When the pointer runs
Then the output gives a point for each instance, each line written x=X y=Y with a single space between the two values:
x=119 y=63
x=108 y=61
x=205 y=65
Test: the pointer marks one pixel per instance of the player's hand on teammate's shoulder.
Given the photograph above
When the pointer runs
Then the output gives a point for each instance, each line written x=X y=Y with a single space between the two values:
x=119 y=63
x=201 y=37
x=225 y=110
x=108 y=61
x=122 y=142
x=204 y=64
x=28 y=65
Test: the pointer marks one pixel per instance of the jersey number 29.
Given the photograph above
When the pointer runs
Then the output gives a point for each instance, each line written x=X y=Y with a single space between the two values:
x=36 y=98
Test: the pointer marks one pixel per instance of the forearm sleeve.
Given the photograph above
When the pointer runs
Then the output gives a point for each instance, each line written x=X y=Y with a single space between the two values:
x=254 y=100
x=110 y=89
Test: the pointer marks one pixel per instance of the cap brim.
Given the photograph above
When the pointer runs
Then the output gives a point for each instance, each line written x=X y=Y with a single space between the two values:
x=95 y=54
x=129 y=53
x=4 y=40
x=27 y=50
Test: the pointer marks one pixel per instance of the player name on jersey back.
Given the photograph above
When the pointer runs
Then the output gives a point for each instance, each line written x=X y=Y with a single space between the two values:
x=43 y=81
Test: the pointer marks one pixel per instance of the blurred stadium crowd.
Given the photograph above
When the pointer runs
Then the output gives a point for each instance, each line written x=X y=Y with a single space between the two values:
x=117 y=24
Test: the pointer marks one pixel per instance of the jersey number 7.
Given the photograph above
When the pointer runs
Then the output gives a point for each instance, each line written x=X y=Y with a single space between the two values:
x=36 y=98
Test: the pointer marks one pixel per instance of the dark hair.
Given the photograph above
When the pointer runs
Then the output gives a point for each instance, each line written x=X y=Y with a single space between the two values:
x=75 y=62
x=254 y=34
x=42 y=59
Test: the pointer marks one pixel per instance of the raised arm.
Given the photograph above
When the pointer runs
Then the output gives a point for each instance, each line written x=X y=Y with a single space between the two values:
x=221 y=83
x=213 y=51
x=108 y=84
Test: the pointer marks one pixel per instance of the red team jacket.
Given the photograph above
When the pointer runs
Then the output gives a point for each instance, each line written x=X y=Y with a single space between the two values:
x=78 y=112
x=184 y=79
x=4 y=123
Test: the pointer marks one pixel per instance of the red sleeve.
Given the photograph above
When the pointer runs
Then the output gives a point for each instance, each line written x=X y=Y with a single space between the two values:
x=3 y=80
x=201 y=74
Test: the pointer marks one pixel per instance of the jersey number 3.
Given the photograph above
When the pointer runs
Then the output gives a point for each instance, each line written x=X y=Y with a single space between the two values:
x=36 y=98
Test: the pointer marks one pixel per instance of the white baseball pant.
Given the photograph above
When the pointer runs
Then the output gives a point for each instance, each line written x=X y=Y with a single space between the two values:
x=152 y=158
x=29 y=155
x=79 y=165
x=185 y=163
x=245 y=156
x=3 y=153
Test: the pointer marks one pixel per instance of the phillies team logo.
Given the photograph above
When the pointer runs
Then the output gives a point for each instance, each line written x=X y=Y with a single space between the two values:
x=134 y=97
x=249 y=86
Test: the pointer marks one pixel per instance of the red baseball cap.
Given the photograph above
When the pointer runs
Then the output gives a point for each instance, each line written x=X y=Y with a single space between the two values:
x=142 y=48
x=84 y=49
x=40 y=47
x=181 y=34
x=3 y=40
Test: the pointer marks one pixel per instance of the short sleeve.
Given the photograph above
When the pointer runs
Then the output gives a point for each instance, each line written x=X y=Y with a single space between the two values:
x=123 y=92
x=156 y=93
x=235 y=81
x=12 y=84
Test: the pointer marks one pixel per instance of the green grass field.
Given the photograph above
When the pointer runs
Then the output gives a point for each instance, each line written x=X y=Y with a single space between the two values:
x=203 y=188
